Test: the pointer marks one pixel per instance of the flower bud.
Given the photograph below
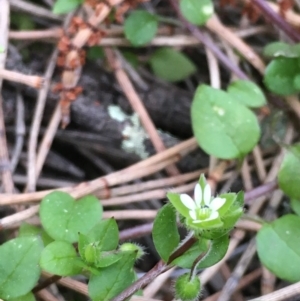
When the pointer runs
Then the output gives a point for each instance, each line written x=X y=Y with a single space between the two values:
x=90 y=253
x=187 y=289
x=127 y=246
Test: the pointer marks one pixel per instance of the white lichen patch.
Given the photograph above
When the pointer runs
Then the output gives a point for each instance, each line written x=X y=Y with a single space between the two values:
x=133 y=133
x=116 y=113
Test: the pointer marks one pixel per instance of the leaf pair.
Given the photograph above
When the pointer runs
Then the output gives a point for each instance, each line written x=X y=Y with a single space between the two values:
x=222 y=124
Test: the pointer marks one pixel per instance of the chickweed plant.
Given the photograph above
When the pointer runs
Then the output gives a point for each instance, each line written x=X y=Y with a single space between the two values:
x=74 y=238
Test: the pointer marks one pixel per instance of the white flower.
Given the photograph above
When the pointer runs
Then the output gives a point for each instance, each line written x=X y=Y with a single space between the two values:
x=204 y=208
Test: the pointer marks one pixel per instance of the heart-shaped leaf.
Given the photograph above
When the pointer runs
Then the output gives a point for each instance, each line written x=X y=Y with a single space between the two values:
x=278 y=49
x=171 y=65
x=60 y=258
x=63 y=217
x=278 y=247
x=19 y=269
x=216 y=252
x=223 y=127
x=280 y=74
x=65 y=6
x=295 y=204
x=113 y=279
x=247 y=93
x=186 y=260
x=140 y=27
x=105 y=235
x=27 y=297
x=197 y=12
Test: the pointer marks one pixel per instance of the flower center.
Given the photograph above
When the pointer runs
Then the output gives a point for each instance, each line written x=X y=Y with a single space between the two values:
x=203 y=213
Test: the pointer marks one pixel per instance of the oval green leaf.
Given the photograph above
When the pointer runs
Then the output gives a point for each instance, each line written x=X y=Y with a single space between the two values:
x=113 y=279
x=247 y=93
x=27 y=297
x=140 y=27
x=60 y=258
x=278 y=49
x=289 y=173
x=216 y=252
x=19 y=259
x=171 y=65
x=278 y=243
x=223 y=127
x=65 y=6
x=187 y=259
x=279 y=76
x=63 y=217
x=197 y=12
x=105 y=235
x=295 y=204
x=165 y=233
x=106 y=259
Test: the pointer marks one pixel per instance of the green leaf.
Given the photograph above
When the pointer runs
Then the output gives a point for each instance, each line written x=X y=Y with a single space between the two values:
x=279 y=76
x=113 y=279
x=223 y=127
x=247 y=93
x=140 y=27
x=289 y=173
x=60 y=258
x=63 y=217
x=295 y=204
x=65 y=6
x=197 y=12
x=29 y=230
x=19 y=259
x=186 y=260
x=278 y=247
x=216 y=252
x=27 y=297
x=230 y=198
x=174 y=198
x=165 y=233
x=108 y=258
x=296 y=82
x=105 y=234
x=171 y=65
x=278 y=49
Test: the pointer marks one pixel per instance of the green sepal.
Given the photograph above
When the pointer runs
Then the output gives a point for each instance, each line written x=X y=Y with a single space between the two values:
x=230 y=199
x=174 y=198
x=204 y=224
x=202 y=182
x=214 y=233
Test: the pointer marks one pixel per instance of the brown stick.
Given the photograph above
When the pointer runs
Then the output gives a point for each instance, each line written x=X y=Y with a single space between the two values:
x=137 y=105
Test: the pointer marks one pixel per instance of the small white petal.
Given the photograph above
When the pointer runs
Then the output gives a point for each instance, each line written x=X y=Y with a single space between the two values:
x=192 y=214
x=187 y=201
x=217 y=203
x=214 y=215
x=198 y=195
x=207 y=194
